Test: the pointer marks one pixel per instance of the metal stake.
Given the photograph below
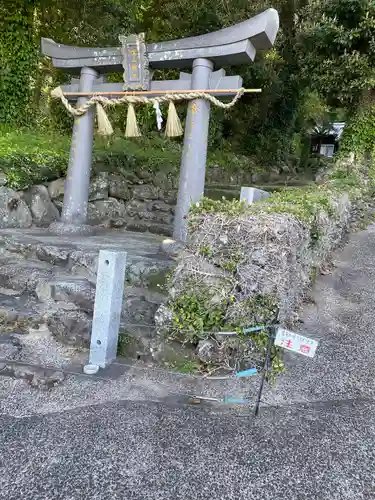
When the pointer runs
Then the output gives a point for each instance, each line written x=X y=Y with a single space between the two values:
x=270 y=342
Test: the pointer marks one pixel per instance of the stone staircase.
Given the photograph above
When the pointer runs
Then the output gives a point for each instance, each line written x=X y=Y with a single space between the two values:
x=48 y=279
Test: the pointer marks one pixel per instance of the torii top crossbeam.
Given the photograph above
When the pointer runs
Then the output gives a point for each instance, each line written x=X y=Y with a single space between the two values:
x=227 y=47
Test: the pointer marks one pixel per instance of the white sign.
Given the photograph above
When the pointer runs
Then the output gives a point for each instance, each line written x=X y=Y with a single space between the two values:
x=296 y=343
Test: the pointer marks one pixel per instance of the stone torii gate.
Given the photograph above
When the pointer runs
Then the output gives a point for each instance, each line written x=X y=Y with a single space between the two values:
x=231 y=46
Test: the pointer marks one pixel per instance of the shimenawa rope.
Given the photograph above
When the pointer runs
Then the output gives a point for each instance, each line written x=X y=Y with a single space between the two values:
x=173 y=126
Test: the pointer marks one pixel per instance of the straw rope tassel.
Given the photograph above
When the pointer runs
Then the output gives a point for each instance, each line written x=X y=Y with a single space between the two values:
x=132 y=129
x=173 y=127
x=104 y=125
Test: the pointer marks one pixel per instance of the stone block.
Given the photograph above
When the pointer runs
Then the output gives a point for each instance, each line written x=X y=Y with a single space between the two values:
x=156 y=211
x=42 y=209
x=84 y=261
x=144 y=173
x=99 y=187
x=207 y=351
x=14 y=212
x=23 y=276
x=137 y=225
x=170 y=196
x=18 y=247
x=56 y=189
x=37 y=377
x=165 y=179
x=146 y=192
x=78 y=291
x=137 y=309
x=159 y=217
x=52 y=254
x=70 y=327
x=134 y=207
x=45 y=380
x=118 y=187
x=110 y=210
x=251 y=195
x=8 y=350
x=159 y=206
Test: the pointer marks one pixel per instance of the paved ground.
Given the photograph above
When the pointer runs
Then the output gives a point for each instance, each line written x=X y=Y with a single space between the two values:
x=138 y=450
x=130 y=439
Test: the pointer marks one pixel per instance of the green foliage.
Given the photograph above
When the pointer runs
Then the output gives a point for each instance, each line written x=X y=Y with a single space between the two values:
x=358 y=140
x=260 y=126
x=324 y=48
x=303 y=203
x=192 y=318
x=18 y=61
x=260 y=308
x=187 y=366
x=336 y=46
x=359 y=134
x=23 y=171
x=125 y=343
x=153 y=153
x=260 y=341
x=196 y=313
x=206 y=205
x=33 y=157
x=314 y=163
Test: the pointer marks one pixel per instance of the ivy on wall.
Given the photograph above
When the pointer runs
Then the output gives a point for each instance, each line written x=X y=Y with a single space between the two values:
x=18 y=60
x=359 y=133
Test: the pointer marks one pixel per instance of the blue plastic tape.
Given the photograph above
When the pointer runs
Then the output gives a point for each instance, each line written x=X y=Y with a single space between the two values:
x=247 y=373
x=254 y=329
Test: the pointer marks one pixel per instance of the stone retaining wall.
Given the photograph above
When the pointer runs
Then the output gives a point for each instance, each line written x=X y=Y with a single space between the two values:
x=114 y=201
x=138 y=200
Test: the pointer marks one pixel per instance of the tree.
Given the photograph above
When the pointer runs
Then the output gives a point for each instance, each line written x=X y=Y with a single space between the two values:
x=337 y=49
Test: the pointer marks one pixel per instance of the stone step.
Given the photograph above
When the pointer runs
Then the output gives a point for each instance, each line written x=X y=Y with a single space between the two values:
x=146 y=265
x=18 y=312
x=23 y=275
x=49 y=283
x=72 y=325
x=55 y=278
x=36 y=292
x=139 y=304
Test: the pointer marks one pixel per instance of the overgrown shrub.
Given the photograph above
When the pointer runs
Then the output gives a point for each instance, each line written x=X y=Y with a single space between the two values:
x=28 y=157
x=242 y=265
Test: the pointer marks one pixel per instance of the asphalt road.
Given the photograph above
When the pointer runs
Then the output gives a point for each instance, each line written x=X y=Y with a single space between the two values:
x=139 y=450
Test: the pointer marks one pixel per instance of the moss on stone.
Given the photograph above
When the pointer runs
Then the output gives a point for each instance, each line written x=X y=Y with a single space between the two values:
x=157 y=280
x=127 y=345
x=183 y=365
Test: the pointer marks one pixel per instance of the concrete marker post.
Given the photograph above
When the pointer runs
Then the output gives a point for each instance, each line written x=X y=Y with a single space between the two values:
x=107 y=308
x=251 y=195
